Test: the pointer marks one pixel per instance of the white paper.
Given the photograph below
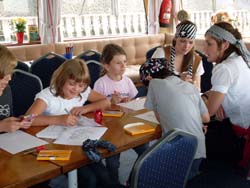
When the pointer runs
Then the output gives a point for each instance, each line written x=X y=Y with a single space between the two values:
x=148 y=116
x=79 y=134
x=87 y=122
x=19 y=141
x=136 y=104
x=54 y=131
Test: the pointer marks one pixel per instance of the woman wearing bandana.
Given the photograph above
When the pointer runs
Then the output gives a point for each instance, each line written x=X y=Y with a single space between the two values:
x=181 y=58
x=229 y=96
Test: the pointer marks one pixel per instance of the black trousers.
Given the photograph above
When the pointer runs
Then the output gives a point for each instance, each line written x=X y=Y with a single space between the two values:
x=222 y=143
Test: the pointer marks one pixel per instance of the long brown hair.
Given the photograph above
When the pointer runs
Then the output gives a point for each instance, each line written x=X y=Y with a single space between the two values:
x=189 y=57
x=74 y=69
x=7 y=61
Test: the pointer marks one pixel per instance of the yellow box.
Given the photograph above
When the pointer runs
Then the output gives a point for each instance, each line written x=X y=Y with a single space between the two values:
x=60 y=155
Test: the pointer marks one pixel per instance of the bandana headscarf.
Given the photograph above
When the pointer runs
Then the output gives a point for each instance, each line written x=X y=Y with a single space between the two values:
x=222 y=34
x=186 y=31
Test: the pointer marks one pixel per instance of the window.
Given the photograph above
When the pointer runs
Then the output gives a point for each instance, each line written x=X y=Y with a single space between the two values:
x=79 y=18
x=10 y=9
x=201 y=11
x=100 y=18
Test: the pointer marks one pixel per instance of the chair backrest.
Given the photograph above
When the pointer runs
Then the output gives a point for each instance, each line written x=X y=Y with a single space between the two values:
x=24 y=87
x=45 y=66
x=167 y=163
x=22 y=66
x=95 y=68
x=90 y=55
x=151 y=51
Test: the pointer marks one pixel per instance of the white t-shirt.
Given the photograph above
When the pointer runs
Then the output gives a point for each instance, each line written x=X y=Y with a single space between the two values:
x=179 y=105
x=125 y=87
x=160 y=53
x=56 y=105
x=232 y=78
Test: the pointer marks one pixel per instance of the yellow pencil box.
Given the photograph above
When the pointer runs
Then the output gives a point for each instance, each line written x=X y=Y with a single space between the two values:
x=60 y=155
x=138 y=128
x=112 y=113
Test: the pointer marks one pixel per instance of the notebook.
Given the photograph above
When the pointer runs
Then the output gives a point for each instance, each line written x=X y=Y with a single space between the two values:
x=60 y=155
x=138 y=128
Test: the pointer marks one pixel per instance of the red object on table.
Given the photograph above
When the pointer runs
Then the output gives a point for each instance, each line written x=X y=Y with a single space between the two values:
x=98 y=116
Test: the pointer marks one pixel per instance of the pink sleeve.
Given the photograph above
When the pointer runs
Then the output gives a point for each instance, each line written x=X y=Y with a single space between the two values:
x=133 y=90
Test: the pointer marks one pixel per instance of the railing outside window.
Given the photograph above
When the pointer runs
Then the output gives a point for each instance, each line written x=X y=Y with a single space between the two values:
x=102 y=25
x=203 y=21
x=105 y=25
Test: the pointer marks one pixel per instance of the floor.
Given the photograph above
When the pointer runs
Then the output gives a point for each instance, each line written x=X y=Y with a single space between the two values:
x=127 y=160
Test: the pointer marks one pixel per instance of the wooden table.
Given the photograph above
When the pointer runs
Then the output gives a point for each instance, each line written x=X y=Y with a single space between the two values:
x=22 y=170
x=25 y=170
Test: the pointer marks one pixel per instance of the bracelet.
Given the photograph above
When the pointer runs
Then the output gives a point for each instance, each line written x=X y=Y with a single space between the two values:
x=204 y=95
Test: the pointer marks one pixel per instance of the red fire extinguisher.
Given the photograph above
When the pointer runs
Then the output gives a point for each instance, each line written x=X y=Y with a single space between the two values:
x=165 y=13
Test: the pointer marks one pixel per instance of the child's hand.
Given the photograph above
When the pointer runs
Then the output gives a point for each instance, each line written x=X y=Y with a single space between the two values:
x=125 y=99
x=77 y=111
x=10 y=124
x=116 y=98
x=69 y=120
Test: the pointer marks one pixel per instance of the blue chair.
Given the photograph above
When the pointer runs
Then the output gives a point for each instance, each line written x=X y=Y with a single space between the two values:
x=151 y=51
x=45 y=66
x=95 y=68
x=22 y=66
x=167 y=163
x=90 y=55
x=24 y=86
x=92 y=58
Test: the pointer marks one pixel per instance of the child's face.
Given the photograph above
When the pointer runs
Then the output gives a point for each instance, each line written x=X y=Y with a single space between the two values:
x=184 y=45
x=4 y=82
x=117 y=65
x=72 y=88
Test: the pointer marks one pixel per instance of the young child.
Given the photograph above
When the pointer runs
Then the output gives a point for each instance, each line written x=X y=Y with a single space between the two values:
x=114 y=84
x=172 y=95
x=68 y=91
x=118 y=88
x=7 y=63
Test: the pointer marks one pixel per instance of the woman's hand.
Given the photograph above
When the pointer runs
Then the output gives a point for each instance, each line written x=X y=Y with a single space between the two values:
x=186 y=77
x=10 y=124
x=220 y=114
x=69 y=120
x=27 y=120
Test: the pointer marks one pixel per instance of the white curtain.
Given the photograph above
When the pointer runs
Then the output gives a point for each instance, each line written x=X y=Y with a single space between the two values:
x=176 y=6
x=153 y=16
x=49 y=21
